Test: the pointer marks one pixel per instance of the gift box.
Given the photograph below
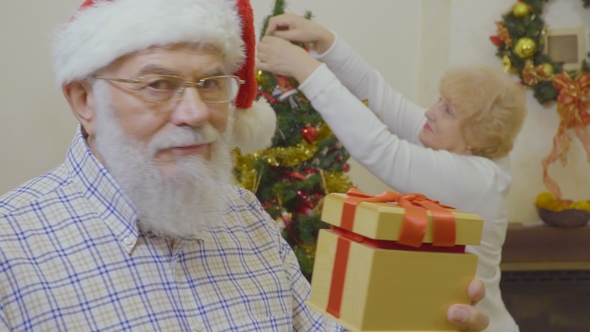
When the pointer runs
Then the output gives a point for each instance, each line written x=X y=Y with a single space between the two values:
x=393 y=262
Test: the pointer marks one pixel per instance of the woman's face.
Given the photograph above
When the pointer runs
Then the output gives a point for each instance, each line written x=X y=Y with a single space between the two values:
x=442 y=130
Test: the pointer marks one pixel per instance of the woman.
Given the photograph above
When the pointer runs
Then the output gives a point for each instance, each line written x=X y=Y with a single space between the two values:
x=455 y=152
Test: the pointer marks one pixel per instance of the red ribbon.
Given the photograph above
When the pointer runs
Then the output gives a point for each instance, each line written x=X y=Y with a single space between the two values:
x=415 y=221
x=394 y=245
x=573 y=108
x=411 y=236
x=338 y=276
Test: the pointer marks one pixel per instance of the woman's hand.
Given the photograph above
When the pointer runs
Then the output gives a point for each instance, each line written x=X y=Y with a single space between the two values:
x=469 y=316
x=279 y=56
x=298 y=29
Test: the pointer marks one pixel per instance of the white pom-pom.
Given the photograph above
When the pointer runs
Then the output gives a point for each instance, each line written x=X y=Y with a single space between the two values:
x=255 y=127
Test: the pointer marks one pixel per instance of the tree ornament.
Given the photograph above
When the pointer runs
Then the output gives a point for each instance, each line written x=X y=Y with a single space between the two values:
x=260 y=79
x=532 y=75
x=346 y=168
x=284 y=220
x=504 y=34
x=496 y=41
x=506 y=63
x=309 y=134
x=525 y=47
x=284 y=89
x=547 y=69
x=521 y=9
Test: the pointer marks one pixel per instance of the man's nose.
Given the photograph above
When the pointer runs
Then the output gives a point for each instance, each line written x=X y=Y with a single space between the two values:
x=191 y=110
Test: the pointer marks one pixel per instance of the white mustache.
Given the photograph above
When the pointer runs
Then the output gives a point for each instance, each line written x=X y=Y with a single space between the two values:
x=185 y=136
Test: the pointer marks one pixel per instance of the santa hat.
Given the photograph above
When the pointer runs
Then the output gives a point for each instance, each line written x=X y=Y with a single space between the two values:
x=102 y=31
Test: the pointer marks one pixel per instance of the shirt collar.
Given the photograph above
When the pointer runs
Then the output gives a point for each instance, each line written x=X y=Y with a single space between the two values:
x=102 y=191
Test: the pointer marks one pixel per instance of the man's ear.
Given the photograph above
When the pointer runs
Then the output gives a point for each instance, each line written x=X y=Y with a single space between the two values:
x=81 y=99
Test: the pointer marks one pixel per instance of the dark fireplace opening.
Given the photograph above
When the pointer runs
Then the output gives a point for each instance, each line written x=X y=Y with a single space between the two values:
x=551 y=301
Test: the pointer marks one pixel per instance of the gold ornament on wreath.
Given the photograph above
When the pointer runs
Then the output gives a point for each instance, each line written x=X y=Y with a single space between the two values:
x=520 y=42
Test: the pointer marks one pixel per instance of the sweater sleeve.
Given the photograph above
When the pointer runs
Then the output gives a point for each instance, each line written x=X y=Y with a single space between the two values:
x=408 y=167
x=402 y=117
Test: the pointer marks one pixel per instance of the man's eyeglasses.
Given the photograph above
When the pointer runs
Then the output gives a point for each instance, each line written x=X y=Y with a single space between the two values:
x=162 y=89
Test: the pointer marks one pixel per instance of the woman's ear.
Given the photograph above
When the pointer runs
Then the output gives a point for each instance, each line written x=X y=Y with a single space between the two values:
x=81 y=99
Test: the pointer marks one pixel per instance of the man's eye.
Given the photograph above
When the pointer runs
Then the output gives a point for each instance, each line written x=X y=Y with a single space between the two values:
x=165 y=85
x=210 y=84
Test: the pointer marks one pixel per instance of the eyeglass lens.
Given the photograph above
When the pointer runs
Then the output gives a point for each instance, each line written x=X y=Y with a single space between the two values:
x=160 y=88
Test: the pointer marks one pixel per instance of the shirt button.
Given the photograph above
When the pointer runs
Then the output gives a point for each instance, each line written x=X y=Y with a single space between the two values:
x=128 y=241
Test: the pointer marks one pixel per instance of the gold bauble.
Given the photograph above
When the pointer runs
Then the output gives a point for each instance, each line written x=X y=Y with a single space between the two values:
x=525 y=47
x=547 y=69
x=260 y=79
x=521 y=10
x=506 y=63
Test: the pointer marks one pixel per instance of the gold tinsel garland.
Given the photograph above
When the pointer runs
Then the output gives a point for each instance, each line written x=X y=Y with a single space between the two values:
x=249 y=177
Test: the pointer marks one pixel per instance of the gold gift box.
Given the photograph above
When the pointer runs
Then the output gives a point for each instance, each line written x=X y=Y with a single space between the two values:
x=403 y=289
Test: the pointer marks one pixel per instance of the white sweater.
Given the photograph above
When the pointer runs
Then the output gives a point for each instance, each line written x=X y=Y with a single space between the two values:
x=384 y=138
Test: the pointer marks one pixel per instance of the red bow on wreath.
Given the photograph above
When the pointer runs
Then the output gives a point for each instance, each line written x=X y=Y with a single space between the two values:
x=573 y=107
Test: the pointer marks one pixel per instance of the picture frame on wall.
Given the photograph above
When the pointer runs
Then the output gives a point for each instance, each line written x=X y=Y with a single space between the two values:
x=567 y=46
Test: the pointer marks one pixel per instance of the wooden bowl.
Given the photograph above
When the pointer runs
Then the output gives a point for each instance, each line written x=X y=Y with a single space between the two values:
x=568 y=218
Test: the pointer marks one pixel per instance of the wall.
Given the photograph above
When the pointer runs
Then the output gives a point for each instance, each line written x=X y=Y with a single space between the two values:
x=36 y=125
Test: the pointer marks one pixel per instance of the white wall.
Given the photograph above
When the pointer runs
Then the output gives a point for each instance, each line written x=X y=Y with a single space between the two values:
x=36 y=125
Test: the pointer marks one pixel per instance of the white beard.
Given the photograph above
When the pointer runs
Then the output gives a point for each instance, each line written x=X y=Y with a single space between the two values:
x=173 y=206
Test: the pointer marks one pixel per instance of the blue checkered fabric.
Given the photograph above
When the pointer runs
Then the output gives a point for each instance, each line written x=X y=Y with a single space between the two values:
x=72 y=259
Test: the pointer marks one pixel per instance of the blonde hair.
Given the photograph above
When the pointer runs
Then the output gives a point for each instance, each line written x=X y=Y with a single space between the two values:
x=491 y=107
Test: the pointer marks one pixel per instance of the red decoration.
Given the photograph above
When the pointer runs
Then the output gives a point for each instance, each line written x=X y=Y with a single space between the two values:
x=268 y=97
x=309 y=134
x=573 y=106
x=496 y=40
x=294 y=175
x=346 y=168
x=287 y=221
x=269 y=204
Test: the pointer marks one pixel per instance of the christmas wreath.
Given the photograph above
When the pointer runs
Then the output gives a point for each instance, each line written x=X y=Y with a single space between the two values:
x=520 y=42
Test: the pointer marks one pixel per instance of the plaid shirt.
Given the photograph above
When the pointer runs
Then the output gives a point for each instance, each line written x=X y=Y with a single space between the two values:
x=72 y=259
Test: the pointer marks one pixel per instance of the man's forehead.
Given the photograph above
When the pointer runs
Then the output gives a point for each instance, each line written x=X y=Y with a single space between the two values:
x=177 y=59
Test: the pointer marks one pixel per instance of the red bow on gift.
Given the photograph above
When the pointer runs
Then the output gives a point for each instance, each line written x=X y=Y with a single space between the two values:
x=573 y=106
x=415 y=221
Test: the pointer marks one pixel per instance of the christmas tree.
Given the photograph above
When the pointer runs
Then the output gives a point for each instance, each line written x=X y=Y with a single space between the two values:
x=305 y=163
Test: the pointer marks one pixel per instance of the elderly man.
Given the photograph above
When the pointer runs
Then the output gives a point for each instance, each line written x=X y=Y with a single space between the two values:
x=139 y=229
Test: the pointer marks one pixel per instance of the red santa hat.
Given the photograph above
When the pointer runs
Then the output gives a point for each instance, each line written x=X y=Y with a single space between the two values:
x=102 y=31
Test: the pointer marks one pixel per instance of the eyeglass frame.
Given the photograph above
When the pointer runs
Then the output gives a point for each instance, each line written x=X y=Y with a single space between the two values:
x=180 y=91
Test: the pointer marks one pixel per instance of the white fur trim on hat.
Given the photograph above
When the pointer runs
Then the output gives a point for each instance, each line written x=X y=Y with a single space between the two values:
x=98 y=35
x=254 y=128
